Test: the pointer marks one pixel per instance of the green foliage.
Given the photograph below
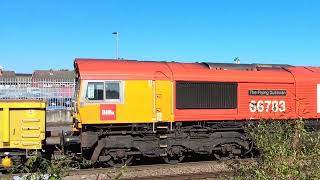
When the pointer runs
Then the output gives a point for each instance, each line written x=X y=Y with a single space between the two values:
x=37 y=168
x=287 y=150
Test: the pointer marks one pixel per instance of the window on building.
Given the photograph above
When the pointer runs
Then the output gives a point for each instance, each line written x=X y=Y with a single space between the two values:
x=95 y=91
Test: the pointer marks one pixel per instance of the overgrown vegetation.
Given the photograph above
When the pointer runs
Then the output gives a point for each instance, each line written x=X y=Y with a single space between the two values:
x=37 y=168
x=288 y=151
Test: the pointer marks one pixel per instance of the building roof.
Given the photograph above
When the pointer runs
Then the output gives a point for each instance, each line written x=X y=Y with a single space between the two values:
x=8 y=74
x=23 y=75
x=54 y=74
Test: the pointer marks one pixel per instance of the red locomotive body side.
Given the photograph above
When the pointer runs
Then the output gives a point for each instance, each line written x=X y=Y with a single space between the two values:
x=294 y=91
x=267 y=106
x=246 y=80
x=300 y=101
x=307 y=83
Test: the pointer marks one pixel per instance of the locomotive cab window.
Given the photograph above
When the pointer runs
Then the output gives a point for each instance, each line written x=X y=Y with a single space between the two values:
x=95 y=91
x=105 y=91
x=112 y=91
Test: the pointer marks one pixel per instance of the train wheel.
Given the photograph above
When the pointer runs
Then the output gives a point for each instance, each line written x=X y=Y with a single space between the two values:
x=173 y=160
x=227 y=151
x=119 y=158
x=119 y=162
x=220 y=156
x=174 y=155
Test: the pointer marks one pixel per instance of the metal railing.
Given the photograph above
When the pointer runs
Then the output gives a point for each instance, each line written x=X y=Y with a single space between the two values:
x=58 y=94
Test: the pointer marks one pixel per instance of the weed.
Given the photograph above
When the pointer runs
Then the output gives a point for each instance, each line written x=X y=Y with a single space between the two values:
x=288 y=151
x=37 y=168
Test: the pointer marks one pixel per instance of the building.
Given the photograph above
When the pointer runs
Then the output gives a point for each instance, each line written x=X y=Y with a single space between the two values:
x=23 y=76
x=61 y=78
x=56 y=87
x=1 y=68
x=8 y=74
x=64 y=75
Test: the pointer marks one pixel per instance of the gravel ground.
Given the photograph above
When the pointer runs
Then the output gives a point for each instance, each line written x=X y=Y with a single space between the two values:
x=211 y=170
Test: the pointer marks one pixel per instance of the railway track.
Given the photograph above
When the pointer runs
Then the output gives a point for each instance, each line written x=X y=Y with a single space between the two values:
x=182 y=171
x=187 y=170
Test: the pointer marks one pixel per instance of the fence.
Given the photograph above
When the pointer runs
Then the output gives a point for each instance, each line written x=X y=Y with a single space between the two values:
x=58 y=94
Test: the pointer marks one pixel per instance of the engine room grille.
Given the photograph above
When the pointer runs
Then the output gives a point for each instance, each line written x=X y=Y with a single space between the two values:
x=206 y=95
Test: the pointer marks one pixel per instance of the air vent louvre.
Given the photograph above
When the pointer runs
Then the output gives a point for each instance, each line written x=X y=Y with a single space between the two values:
x=206 y=95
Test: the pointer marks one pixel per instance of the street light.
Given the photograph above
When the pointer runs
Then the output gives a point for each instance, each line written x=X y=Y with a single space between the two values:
x=117 y=44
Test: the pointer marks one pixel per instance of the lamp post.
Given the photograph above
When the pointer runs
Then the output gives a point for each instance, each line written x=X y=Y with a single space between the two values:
x=117 y=44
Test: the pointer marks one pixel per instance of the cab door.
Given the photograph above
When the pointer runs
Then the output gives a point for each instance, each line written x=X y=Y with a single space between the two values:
x=163 y=111
x=27 y=127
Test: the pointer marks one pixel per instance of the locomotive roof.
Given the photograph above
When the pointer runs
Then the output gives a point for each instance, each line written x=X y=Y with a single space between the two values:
x=244 y=66
x=102 y=69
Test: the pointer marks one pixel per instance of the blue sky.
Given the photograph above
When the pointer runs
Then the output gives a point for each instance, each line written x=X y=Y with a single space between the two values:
x=43 y=34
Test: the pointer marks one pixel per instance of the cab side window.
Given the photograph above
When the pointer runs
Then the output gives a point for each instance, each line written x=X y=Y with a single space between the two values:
x=112 y=90
x=105 y=91
x=95 y=91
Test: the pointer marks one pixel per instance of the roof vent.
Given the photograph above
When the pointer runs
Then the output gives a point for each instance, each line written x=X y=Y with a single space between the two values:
x=248 y=67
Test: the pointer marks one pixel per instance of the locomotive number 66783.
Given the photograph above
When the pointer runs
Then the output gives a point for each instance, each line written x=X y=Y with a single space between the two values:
x=267 y=106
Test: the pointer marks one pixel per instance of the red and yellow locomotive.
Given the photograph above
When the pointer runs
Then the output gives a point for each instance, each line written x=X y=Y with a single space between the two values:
x=126 y=108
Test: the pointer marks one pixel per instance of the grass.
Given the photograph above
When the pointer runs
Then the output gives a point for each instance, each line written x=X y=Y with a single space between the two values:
x=37 y=168
x=287 y=151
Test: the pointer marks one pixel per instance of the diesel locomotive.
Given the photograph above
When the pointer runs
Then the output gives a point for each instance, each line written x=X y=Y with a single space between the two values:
x=128 y=109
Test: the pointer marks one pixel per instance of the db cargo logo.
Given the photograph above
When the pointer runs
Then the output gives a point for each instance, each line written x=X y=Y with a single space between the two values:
x=108 y=112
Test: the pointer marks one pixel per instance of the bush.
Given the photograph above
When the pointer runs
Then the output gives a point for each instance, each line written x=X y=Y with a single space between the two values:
x=287 y=151
x=37 y=168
